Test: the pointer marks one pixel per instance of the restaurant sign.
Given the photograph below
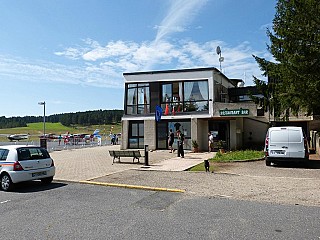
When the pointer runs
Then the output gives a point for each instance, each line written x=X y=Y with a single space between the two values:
x=234 y=112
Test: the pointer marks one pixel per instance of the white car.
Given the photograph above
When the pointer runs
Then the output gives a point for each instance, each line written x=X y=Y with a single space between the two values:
x=24 y=163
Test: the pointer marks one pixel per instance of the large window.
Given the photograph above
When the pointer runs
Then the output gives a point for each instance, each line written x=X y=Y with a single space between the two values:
x=195 y=96
x=173 y=97
x=171 y=100
x=138 y=99
x=136 y=135
x=186 y=96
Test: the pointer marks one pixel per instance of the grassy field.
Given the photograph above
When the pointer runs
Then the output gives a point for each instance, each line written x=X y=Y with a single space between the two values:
x=236 y=156
x=36 y=129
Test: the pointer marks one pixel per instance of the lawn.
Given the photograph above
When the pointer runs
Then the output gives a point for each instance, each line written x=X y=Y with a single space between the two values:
x=36 y=129
x=235 y=156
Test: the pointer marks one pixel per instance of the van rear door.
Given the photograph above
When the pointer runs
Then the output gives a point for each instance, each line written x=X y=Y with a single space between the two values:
x=296 y=143
x=278 y=142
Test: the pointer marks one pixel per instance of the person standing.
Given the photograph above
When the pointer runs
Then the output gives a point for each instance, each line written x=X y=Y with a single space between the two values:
x=171 y=140
x=59 y=139
x=180 y=144
x=210 y=141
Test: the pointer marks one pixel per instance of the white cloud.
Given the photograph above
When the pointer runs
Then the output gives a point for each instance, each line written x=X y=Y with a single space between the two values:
x=102 y=65
x=180 y=14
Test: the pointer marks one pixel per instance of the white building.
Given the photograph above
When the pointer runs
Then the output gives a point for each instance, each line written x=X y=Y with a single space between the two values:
x=196 y=101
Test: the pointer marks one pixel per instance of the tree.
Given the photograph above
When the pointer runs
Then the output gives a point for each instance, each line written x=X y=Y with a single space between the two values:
x=295 y=45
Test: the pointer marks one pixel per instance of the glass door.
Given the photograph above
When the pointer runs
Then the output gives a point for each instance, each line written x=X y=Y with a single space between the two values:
x=162 y=135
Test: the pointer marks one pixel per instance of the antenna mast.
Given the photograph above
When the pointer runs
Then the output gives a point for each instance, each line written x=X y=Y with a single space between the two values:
x=221 y=59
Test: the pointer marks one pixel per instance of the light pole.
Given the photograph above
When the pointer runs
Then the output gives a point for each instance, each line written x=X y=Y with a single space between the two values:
x=44 y=117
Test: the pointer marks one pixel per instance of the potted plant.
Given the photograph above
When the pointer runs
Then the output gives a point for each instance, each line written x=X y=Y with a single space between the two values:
x=195 y=146
x=220 y=146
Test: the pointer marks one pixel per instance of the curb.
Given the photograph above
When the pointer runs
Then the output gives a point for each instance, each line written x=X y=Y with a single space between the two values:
x=133 y=186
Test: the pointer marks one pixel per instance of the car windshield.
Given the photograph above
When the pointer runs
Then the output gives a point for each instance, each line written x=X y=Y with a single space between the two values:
x=32 y=153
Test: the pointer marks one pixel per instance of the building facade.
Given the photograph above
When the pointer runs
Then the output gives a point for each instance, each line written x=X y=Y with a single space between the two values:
x=195 y=101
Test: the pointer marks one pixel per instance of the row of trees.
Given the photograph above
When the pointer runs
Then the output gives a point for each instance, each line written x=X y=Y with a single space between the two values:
x=67 y=119
x=12 y=122
x=294 y=76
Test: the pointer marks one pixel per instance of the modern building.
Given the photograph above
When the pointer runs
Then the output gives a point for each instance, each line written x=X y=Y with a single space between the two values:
x=195 y=101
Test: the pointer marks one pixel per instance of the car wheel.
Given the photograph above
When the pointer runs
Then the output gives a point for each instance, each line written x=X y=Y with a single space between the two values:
x=268 y=163
x=46 y=180
x=6 y=183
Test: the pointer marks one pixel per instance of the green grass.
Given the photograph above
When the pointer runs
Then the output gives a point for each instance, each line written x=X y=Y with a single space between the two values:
x=36 y=129
x=245 y=155
x=236 y=156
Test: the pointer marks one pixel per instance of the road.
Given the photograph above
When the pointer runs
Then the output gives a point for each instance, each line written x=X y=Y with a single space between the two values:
x=80 y=211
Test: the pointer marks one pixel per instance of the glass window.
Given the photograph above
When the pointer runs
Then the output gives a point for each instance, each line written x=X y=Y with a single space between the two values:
x=32 y=153
x=3 y=154
x=134 y=130
x=132 y=96
x=166 y=92
x=136 y=135
x=196 y=96
x=138 y=99
x=143 y=95
x=196 y=91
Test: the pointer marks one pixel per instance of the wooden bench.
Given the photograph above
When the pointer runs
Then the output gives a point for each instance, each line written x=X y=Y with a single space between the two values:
x=135 y=154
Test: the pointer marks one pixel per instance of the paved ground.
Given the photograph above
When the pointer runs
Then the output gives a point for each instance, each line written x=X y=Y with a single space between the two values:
x=247 y=180
x=90 y=163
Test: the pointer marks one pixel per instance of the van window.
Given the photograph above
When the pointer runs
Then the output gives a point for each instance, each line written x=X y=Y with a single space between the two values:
x=278 y=136
x=295 y=136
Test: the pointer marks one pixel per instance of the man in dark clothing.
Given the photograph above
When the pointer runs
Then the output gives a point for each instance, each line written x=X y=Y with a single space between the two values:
x=180 y=144
x=171 y=140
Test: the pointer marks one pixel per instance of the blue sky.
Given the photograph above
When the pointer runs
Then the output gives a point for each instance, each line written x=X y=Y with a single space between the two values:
x=72 y=53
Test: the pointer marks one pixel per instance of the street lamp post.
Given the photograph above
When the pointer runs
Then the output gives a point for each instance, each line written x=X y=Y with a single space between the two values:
x=44 y=117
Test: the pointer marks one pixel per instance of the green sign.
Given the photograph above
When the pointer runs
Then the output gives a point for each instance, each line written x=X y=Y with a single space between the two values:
x=234 y=112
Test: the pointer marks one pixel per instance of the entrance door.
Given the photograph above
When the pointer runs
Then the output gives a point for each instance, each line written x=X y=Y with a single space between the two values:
x=162 y=135
x=220 y=131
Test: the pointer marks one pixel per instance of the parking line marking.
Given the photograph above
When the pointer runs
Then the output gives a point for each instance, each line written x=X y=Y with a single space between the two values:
x=134 y=186
x=5 y=201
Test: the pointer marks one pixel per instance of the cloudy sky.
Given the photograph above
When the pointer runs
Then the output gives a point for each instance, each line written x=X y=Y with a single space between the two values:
x=72 y=54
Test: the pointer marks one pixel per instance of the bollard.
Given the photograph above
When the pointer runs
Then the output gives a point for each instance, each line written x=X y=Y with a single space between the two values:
x=146 y=155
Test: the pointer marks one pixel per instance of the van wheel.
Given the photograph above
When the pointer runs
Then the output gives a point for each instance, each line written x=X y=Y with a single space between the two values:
x=6 y=183
x=268 y=163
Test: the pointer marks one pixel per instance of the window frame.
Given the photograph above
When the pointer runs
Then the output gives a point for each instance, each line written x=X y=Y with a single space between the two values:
x=139 y=137
x=138 y=105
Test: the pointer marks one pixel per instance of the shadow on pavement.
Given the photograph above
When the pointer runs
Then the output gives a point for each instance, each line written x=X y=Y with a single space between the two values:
x=312 y=164
x=36 y=186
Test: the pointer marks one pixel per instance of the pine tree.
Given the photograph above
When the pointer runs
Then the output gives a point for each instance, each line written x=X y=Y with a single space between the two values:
x=295 y=45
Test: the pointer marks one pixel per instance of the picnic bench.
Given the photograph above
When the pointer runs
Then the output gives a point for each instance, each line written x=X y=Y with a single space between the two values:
x=135 y=154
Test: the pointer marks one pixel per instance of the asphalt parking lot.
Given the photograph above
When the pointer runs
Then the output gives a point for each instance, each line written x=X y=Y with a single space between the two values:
x=284 y=184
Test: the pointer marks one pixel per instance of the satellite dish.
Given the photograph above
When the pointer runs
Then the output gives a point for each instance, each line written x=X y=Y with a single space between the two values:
x=218 y=50
x=221 y=59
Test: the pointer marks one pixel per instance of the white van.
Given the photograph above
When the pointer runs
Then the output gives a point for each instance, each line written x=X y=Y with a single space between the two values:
x=285 y=144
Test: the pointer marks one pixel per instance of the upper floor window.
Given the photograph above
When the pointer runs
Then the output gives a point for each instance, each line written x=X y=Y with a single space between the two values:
x=172 y=98
x=138 y=99
x=196 y=96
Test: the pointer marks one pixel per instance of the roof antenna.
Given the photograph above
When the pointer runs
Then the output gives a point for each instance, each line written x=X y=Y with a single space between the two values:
x=221 y=59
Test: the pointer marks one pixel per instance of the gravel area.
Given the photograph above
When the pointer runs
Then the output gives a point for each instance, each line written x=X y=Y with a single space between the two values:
x=246 y=180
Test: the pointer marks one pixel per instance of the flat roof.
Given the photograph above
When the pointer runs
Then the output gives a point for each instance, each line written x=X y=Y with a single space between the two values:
x=174 y=71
